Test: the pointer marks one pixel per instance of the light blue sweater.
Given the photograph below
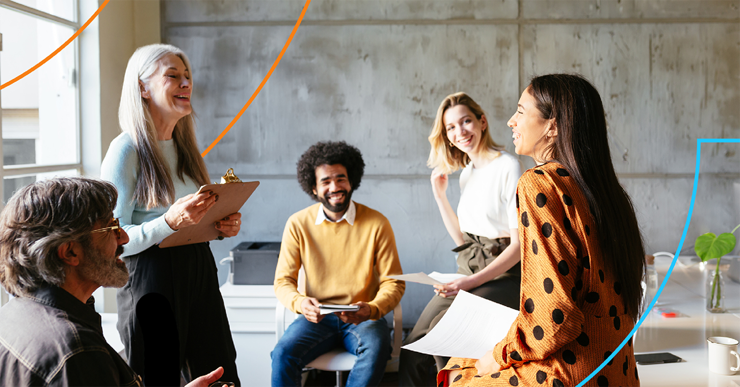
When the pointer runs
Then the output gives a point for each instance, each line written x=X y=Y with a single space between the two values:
x=145 y=228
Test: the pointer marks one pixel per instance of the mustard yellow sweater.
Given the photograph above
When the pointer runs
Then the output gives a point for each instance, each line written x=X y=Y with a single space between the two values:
x=344 y=263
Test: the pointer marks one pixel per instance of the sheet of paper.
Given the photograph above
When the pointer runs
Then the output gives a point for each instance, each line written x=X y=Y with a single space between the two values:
x=428 y=279
x=326 y=309
x=470 y=328
x=446 y=277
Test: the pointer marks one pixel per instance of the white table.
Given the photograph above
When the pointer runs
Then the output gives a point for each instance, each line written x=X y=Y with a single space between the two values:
x=251 y=313
x=686 y=336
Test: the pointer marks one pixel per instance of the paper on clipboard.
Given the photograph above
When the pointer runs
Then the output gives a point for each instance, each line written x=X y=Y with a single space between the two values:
x=231 y=198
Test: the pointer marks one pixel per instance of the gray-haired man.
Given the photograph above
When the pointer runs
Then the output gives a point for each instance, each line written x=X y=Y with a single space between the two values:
x=58 y=244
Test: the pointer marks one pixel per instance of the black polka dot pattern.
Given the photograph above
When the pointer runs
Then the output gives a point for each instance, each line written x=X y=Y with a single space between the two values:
x=636 y=377
x=458 y=377
x=574 y=294
x=592 y=297
x=562 y=172
x=582 y=339
x=617 y=323
x=539 y=172
x=579 y=284
x=534 y=247
x=538 y=332
x=541 y=200
x=606 y=355
x=529 y=305
x=602 y=381
x=566 y=224
x=517 y=200
x=514 y=381
x=547 y=229
x=541 y=377
x=569 y=357
x=586 y=262
x=557 y=316
x=548 y=285
x=563 y=267
x=567 y=200
x=525 y=219
x=617 y=288
x=515 y=355
x=601 y=275
x=557 y=383
x=454 y=367
x=625 y=366
x=629 y=342
x=612 y=311
x=588 y=230
x=496 y=375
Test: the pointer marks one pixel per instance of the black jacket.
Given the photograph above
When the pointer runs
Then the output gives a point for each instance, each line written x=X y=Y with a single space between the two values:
x=53 y=339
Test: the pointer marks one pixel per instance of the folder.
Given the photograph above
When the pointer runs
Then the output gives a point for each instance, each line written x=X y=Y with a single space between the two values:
x=231 y=198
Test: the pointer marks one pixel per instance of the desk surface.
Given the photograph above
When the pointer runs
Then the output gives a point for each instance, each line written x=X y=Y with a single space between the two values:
x=686 y=336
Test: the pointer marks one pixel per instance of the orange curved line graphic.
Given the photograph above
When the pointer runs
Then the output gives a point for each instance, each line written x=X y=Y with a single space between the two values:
x=70 y=40
x=256 y=92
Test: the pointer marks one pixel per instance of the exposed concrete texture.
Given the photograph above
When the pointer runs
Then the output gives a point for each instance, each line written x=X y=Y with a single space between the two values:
x=323 y=10
x=618 y=9
x=335 y=84
x=372 y=73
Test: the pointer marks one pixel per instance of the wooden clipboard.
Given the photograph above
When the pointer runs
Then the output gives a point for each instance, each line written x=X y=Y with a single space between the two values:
x=231 y=198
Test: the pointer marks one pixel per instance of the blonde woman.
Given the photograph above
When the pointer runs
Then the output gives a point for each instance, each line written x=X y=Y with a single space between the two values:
x=171 y=315
x=484 y=228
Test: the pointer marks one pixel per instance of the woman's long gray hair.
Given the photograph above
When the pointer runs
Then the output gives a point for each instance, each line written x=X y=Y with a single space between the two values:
x=154 y=187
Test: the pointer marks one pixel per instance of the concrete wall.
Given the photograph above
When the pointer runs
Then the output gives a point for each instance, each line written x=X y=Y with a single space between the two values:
x=372 y=73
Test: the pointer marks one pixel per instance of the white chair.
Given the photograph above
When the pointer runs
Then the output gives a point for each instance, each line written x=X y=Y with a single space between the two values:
x=339 y=359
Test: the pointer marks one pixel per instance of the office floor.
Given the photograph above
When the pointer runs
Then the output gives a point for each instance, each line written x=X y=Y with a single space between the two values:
x=327 y=379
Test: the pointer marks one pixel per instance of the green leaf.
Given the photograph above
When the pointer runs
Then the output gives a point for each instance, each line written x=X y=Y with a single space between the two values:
x=710 y=246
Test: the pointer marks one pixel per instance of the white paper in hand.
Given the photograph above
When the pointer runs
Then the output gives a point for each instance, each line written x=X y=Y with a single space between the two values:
x=470 y=328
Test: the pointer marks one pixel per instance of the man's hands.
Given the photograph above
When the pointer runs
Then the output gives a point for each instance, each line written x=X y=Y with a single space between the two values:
x=208 y=379
x=356 y=317
x=310 y=309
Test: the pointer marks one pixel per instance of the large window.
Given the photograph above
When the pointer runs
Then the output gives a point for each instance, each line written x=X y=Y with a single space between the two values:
x=40 y=113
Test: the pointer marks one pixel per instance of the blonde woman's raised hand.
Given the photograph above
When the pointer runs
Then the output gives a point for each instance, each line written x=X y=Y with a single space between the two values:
x=190 y=209
x=439 y=183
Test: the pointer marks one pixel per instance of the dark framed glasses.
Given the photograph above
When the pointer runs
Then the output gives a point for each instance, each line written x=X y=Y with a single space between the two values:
x=115 y=227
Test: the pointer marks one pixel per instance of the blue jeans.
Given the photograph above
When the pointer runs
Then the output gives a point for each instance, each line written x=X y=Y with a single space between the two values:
x=304 y=341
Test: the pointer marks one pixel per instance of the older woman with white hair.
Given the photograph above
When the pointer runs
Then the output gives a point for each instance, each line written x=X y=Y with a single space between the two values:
x=171 y=316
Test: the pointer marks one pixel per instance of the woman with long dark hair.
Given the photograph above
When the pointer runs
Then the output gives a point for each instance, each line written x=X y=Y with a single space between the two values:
x=582 y=252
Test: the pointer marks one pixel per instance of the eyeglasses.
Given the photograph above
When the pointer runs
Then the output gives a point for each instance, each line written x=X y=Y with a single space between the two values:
x=115 y=227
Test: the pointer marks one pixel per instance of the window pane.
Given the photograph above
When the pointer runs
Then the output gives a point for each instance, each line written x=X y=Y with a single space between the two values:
x=62 y=8
x=12 y=184
x=43 y=105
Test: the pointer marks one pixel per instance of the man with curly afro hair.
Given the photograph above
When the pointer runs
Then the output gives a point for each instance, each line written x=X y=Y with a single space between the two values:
x=347 y=250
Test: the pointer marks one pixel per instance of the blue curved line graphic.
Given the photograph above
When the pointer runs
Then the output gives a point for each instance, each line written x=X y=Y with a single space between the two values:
x=675 y=257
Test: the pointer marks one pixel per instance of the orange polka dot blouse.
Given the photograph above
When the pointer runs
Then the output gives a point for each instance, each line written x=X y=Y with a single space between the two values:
x=571 y=312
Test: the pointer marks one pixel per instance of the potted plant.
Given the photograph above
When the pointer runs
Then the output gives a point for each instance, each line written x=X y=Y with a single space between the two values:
x=709 y=246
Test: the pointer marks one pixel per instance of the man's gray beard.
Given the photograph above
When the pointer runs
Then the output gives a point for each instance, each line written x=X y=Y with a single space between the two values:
x=103 y=270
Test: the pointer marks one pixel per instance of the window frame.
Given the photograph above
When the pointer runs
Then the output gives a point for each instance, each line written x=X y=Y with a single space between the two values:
x=17 y=171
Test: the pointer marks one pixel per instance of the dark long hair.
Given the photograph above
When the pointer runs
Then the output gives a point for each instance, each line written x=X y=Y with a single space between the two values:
x=581 y=146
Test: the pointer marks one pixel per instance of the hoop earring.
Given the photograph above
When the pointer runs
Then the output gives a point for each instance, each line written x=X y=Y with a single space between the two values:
x=452 y=145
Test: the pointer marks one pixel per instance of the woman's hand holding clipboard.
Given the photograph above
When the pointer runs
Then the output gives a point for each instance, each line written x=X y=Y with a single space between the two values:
x=231 y=196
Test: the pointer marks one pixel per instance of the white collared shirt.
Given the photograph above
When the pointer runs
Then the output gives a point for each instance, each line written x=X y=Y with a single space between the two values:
x=349 y=215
